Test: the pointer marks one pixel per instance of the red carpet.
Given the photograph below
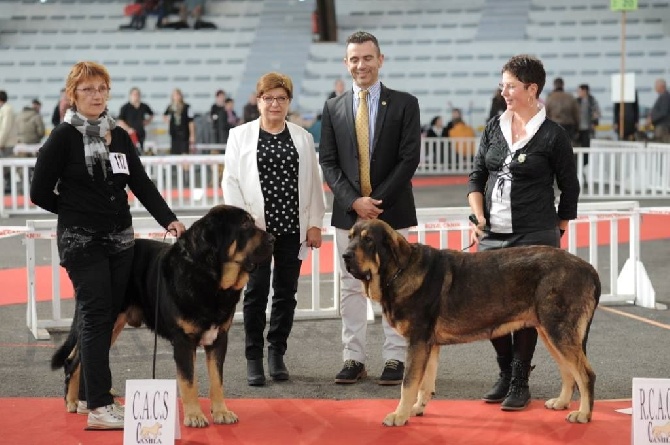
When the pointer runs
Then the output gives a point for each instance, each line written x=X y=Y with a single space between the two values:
x=323 y=422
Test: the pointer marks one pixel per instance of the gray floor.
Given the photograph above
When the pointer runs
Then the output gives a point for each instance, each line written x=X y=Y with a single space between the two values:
x=620 y=347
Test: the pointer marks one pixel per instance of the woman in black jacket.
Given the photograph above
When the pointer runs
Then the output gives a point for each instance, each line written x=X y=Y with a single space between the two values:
x=511 y=194
x=81 y=174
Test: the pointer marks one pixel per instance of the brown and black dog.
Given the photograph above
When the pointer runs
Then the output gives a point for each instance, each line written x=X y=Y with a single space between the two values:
x=438 y=297
x=187 y=293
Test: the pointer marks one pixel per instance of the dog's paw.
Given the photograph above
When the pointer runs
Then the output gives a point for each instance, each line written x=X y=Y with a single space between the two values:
x=578 y=417
x=556 y=404
x=224 y=417
x=418 y=409
x=195 y=420
x=395 y=419
x=71 y=407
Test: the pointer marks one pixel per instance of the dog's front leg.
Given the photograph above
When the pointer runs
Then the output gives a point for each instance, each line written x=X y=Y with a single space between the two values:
x=184 y=356
x=216 y=355
x=427 y=390
x=417 y=359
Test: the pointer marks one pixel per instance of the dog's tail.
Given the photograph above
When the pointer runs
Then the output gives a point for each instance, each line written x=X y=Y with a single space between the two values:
x=597 y=290
x=66 y=353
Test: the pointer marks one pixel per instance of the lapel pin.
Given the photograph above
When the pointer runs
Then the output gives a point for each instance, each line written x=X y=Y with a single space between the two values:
x=522 y=157
x=383 y=102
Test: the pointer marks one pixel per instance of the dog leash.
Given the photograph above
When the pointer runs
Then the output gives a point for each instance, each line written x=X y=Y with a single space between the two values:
x=158 y=295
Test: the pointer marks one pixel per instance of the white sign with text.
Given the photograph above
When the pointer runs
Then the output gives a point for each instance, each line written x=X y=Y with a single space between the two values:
x=151 y=414
x=651 y=411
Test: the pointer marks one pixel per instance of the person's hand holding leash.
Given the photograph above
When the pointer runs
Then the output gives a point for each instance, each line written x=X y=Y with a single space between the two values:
x=176 y=228
x=476 y=228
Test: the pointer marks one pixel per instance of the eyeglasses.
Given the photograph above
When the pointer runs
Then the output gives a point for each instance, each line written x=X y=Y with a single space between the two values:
x=90 y=91
x=281 y=100
x=510 y=86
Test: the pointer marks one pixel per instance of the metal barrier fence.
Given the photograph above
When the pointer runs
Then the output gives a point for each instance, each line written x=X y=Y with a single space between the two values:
x=318 y=294
x=616 y=170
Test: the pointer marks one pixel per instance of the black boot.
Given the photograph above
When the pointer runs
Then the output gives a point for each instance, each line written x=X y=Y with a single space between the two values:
x=255 y=372
x=276 y=366
x=501 y=387
x=518 y=396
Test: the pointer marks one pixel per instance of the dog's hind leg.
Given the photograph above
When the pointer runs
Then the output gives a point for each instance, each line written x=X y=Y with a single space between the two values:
x=575 y=368
x=567 y=380
x=72 y=374
x=417 y=360
x=427 y=390
x=216 y=355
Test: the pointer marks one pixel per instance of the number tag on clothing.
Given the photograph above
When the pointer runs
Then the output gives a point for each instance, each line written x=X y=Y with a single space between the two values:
x=119 y=163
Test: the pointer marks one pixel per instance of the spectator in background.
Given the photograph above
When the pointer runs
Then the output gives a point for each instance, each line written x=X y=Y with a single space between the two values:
x=464 y=149
x=659 y=116
x=60 y=109
x=436 y=128
x=134 y=116
x=315 y=130
x=589 y=114
x=179 y=116
x=218 y=117
x=29 y=124
x=631 y=118
x=563 y=109
x=339 y=89
x=7 y=126
x=250 y=112
x=232 y=120
x=195 y=9
x=498 y=104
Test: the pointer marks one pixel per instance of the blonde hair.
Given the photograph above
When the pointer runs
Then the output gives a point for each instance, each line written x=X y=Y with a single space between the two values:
x=274 y=80
x=81 y=72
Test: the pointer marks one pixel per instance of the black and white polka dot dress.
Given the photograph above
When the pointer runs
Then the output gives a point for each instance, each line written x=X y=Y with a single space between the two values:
x=277 y=160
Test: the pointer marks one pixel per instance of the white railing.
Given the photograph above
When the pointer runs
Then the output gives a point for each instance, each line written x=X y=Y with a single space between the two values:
x=440 y=227
x=624 y=170
x=616 y=170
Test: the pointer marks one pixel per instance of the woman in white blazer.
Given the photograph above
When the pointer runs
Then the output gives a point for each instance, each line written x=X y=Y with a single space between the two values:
x=271 y=170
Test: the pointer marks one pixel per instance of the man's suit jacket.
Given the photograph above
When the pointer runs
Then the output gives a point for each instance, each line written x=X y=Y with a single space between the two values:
x=395 y=156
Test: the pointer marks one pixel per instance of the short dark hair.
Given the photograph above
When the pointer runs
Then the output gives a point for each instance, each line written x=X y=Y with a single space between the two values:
x=37 y=102
x=584 y=86
x=3 y=96
x=527 y=69
x=220 y=92
x=558 y=83
x=362 y=37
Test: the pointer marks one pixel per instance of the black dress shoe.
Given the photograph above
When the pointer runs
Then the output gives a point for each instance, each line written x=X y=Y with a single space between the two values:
x=255 y=372
x=352 y=372
x=276 y=367
x=393 y=373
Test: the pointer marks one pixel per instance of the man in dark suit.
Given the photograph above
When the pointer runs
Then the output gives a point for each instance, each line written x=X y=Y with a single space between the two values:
x=372 y=183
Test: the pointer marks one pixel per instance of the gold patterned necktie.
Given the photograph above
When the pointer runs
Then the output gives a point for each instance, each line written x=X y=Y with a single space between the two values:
x=363 y=138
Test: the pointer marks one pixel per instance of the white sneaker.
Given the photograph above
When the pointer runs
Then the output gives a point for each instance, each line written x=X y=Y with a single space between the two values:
x=106 y=418
x=82 y=407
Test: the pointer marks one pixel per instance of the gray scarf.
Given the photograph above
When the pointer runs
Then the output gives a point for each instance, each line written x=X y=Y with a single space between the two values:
x=94 y=131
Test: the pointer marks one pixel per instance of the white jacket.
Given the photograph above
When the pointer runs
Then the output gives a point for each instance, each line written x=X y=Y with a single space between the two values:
x=7 y=126
x=242 y=185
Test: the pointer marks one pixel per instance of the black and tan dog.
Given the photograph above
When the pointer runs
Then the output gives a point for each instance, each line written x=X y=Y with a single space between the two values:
x=193 y=286
x=437 y=297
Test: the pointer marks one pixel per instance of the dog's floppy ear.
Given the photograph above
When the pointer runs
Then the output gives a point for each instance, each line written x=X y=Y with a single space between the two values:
x=397 y=245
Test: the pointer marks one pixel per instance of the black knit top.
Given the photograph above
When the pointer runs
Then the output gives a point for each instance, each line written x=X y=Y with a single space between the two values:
x=95 y=202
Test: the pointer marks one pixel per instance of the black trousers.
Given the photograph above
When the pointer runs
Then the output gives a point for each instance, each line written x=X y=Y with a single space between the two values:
x=99 y=277
x=519 y=344
x=284 y=285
